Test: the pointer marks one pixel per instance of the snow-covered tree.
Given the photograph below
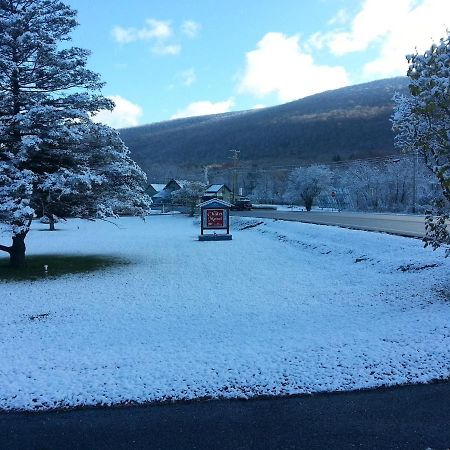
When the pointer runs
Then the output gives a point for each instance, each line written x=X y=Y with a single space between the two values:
x=306 y=183
x=265 y=187
x=104 y=180
x=189 y=195
x=109 y=158
x=384 y=185
x=47 y=100
x=422 y=123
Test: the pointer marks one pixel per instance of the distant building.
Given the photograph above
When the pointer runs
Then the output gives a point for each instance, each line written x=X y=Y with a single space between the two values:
x=219 y=191
x=174 y=185
x=164 y=196
x=154 y=188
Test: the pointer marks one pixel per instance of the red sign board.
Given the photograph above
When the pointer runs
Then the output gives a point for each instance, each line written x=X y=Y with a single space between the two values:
x=215 y=215
x=215 y=218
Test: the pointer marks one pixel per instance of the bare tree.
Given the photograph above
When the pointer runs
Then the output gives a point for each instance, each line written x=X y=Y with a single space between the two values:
x=306 y=183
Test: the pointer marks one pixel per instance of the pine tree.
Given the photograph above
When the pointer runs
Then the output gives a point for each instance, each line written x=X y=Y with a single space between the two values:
x=422 y=123
x=47 y=100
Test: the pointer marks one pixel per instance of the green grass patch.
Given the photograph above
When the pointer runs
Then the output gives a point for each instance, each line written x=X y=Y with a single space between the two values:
x=57 y=266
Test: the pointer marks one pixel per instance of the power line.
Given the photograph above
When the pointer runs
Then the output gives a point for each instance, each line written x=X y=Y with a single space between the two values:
x=289 y=167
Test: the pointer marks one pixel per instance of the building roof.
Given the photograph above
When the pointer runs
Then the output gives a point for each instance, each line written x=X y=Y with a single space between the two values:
x=161 y=194
x=214 y=188
x=158 y=187
x=180 y=183
x=214 y=202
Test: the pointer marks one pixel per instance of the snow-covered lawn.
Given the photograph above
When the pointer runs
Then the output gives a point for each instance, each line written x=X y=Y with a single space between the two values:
x=283 y=308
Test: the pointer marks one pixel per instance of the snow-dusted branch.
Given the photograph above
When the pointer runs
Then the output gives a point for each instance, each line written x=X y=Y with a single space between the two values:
x=422 y=125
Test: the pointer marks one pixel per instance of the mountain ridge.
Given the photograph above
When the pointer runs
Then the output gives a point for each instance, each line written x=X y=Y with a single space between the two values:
x=346 y=123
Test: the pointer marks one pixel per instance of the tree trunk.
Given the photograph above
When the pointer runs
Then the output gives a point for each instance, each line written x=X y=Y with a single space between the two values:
x=16 y=251
x=51 y=222
x=308 y=204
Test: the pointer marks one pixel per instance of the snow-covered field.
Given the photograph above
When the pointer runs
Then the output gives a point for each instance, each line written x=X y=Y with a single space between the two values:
x=283 y=308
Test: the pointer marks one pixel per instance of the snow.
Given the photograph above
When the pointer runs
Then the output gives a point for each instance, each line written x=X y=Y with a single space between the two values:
x=157 y=186
x=283 y=308
x=422 y=126
x=214 y=188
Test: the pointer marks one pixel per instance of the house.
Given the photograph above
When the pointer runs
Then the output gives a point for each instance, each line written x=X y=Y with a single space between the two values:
x=164 y=196
x=174 y=185
x=153 y=188
x=219 y=191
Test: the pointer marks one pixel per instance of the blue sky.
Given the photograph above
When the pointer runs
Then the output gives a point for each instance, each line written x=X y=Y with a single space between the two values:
x=168 y=59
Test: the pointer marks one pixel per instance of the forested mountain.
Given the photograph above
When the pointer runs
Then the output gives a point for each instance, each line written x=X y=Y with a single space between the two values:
x=347 y=123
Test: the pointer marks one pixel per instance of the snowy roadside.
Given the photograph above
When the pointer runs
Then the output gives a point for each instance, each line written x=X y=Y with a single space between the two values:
x=284 y=308
x=316 y=209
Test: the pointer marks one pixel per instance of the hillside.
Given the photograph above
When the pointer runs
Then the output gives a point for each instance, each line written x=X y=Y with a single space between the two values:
x=351 y=122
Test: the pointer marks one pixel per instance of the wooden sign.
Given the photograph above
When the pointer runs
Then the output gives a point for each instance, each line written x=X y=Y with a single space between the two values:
x=215 y=215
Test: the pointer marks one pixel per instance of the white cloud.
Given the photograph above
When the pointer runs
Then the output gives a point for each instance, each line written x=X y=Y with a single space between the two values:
x=316 y=41
x=124 y=35
x=125 y=113
x=279 y=65
x=152 y=30
x=203 y=108
x=188 y=77
x=340 y=18
x=166 y=49
x=156 y=29
x=259 y=106
x=393 y=28
x=190 y=28
x=422 y=26
x=374 y=20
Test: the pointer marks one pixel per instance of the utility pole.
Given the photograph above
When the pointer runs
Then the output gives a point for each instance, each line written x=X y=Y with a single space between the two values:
x=235 y=158
x=414 y=192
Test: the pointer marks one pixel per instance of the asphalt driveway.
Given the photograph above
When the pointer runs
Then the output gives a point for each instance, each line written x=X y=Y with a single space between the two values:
x=408 y=417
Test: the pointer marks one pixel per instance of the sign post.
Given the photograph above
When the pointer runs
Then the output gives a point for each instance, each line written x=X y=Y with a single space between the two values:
x=215 y=215
x=334 y=197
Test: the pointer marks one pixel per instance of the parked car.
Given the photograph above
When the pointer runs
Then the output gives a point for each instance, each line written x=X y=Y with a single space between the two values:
x=242 y=204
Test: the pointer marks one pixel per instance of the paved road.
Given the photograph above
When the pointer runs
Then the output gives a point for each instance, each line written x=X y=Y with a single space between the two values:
x=403 y=225
x=411 y=417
